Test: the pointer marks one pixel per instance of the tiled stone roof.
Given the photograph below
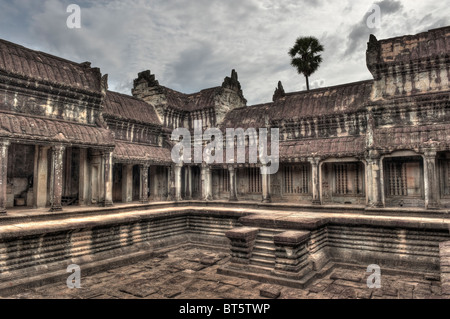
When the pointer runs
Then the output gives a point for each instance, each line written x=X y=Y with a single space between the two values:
x=126 y=107
x=26 y=63
x=191 y=102
x=249 y=116
x=45 y=129
x=339 y=146
x=131 y=152
x=346 y=98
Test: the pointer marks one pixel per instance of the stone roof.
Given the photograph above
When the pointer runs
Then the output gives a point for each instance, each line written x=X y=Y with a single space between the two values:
x=248 y=116
x=22 y=62
x=191 y=102
x=132 y=152
x=26 y=127
x=345 y=98
x=323 y=147
x=126 y=107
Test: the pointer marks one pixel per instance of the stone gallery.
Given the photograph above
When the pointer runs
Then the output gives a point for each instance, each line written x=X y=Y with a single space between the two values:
x=363 y=178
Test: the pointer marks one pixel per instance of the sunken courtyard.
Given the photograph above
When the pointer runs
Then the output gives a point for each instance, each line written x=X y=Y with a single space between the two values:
x=87 y=178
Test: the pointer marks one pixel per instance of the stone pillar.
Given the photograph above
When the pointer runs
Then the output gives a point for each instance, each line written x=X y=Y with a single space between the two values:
x=206 y=183
x=373 y=174
x=127 y=183
x=431 y=181
x=95 y=168
x=265 y=179
x=178 y=181
x=56 y=177
x=84 y=177
x=242 y=241
x=170 y=183
x=143 y=198
x=188 y=182
x=40 y=176
x=155 y=183
x=232 y=180
x=315 y=174
x=4 y=144
x=292 y=254
x=108 y=182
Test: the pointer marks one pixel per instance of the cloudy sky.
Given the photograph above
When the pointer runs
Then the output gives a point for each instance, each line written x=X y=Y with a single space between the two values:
x=192 y=45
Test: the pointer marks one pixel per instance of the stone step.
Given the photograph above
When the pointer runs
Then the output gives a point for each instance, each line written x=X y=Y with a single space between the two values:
x=263 y=254
x=266 y=236
x=262 y=262
x=268 y=242
x=264 y=248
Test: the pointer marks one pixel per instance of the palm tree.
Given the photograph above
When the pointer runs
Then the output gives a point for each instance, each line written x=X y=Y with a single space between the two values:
x=304 y=56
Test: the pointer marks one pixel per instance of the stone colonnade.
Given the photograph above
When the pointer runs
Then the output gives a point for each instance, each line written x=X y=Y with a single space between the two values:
x=96 y=178
x=48 y=177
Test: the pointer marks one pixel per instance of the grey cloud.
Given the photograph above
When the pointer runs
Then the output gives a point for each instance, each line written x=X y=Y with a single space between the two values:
x=191 y=45
x=360 y=32
x=389 y=6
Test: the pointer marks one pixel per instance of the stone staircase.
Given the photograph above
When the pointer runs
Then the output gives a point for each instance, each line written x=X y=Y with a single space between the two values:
x=263 y=254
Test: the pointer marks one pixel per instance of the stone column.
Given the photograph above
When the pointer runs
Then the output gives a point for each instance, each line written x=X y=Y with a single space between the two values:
x=374 y=180
x=127 y=183
x=108 y=182
x=84 y=177
x=95 y=168
x=155 y=183
x=315 y=174
x=170 y=183
x=188 y=182
x=143 y=198
x=232 y=180
x=56 y=177
x=431 y=181
x=265 y=178
x=3 y=174
x=206 y=183
x=178 y=181
x=40 y=176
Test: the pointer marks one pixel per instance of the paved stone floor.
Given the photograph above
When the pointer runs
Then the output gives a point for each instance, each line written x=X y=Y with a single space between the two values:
x=192 y=273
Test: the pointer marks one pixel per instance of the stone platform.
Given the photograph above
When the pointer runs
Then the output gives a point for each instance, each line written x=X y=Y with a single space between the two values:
x=290 y=245
x=191 y=273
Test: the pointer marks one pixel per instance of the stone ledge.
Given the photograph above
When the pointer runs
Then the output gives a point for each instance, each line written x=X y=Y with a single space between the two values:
x=242 y=233
x=291 y=238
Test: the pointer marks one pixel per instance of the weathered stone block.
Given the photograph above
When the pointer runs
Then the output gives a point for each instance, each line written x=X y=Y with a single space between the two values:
x=241 y=243
x=270 y=291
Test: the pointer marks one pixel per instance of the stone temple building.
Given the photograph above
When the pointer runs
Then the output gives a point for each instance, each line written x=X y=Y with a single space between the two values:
x=67 y=140
x=87 y=176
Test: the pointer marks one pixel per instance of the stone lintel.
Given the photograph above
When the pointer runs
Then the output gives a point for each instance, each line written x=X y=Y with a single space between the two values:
x=291 y=238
